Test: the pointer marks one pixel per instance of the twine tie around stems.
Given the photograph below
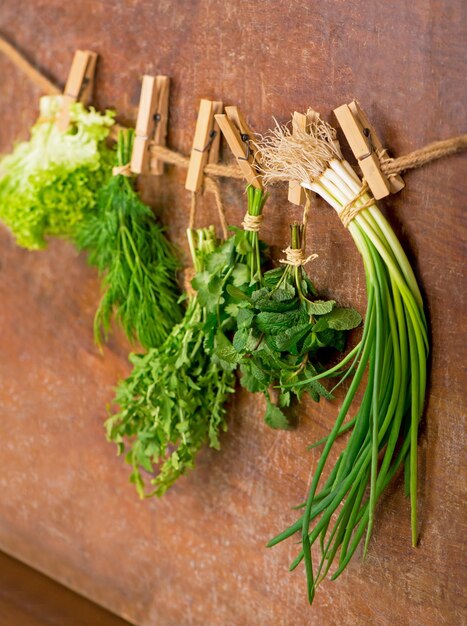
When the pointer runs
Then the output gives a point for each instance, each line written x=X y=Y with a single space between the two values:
x=252 y=223
x=351 y=209
x=296 y=257
x=122 y=170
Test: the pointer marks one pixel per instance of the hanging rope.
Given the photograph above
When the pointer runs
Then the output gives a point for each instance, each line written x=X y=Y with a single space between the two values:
x=422 y=156
x=28 y=69
x=417 y=158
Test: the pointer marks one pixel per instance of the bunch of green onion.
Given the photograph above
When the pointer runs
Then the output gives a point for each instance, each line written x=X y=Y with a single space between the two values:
x=338 y=511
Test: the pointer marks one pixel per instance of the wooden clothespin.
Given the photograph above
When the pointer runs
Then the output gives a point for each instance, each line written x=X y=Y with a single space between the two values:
x=79 y=85
x=206 y=143
x=367 y=148
x=297 y=194
x=151 y=124
x=239 y=137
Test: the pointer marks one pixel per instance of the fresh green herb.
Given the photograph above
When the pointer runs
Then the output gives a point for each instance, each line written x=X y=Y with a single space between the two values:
x=129 y=247
x=49 y=183
x=232 y=274
x=173 y=403
x=281 y=330
x=394 y=347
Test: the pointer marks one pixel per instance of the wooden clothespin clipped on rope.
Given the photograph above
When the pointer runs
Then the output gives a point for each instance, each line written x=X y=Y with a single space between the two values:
x=297 y=194
x=151 y=124
x=206 y=143
x=239 y=136
x=367 y=148
x=79 y=85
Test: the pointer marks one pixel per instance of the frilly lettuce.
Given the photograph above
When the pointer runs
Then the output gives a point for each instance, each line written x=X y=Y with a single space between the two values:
x=49 y=183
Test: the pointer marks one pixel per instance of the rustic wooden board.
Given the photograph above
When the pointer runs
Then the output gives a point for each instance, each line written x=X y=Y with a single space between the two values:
x=198 y=556
x=28 y=598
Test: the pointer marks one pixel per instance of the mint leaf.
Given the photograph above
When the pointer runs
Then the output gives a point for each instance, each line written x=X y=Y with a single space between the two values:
x=245 y=318
x=274 y=323
x=343 y=319
x=273 y=306
x=319 y=307
x=249 y=381
x=272 y=277
x=287 y=340
x=286 y=292
x=225 y=351
x=275 y=418
x=244 y=340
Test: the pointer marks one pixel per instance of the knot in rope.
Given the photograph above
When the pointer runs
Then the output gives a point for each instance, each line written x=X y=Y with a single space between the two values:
x=296 y=258
x=252 y=223
x=122 y=170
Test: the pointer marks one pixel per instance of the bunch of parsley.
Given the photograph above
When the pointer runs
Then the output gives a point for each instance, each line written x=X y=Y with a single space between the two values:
x=173 y=402
x=138 y=263
x=49 y=184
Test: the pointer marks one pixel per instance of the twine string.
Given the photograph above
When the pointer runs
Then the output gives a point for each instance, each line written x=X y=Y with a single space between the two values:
x=422 y=156
x=188 y=275
x=122 y=170
x=162 y=153
x=212 y=186
x=296 y=257
x=252 y=223
x=390 y=166
x=352 y=208
x=36 y=77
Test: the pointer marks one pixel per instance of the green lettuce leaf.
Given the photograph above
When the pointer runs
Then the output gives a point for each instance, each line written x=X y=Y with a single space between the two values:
x=49 y=183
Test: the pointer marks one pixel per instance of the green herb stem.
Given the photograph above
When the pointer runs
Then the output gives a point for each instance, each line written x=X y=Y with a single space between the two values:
x=393 y=350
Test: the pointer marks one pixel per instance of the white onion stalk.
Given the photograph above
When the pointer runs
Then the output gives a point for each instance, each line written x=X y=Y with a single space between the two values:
x=393 y=347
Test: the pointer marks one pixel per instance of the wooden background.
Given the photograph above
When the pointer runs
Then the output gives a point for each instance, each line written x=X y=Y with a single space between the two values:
x=197 y=556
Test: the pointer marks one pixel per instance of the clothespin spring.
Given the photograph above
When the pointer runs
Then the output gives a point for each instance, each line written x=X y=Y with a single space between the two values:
x=212 y=136
x=367 y=134
x=246 y=139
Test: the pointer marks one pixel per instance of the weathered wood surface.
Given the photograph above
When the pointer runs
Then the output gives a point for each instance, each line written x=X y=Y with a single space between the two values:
x=198 y=556
x=28 y=598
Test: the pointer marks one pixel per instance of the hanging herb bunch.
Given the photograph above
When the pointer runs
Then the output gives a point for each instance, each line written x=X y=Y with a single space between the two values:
x=173 y=402
x=49 y=184
x=281 y=330
x=393 y=349
x=129 y=247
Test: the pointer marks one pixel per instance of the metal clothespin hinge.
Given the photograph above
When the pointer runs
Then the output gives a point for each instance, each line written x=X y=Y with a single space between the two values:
x=212 y=136
x=238 y=135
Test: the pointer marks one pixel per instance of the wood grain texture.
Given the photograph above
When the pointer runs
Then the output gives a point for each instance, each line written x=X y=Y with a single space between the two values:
x=197 y=556
x=28 y=598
